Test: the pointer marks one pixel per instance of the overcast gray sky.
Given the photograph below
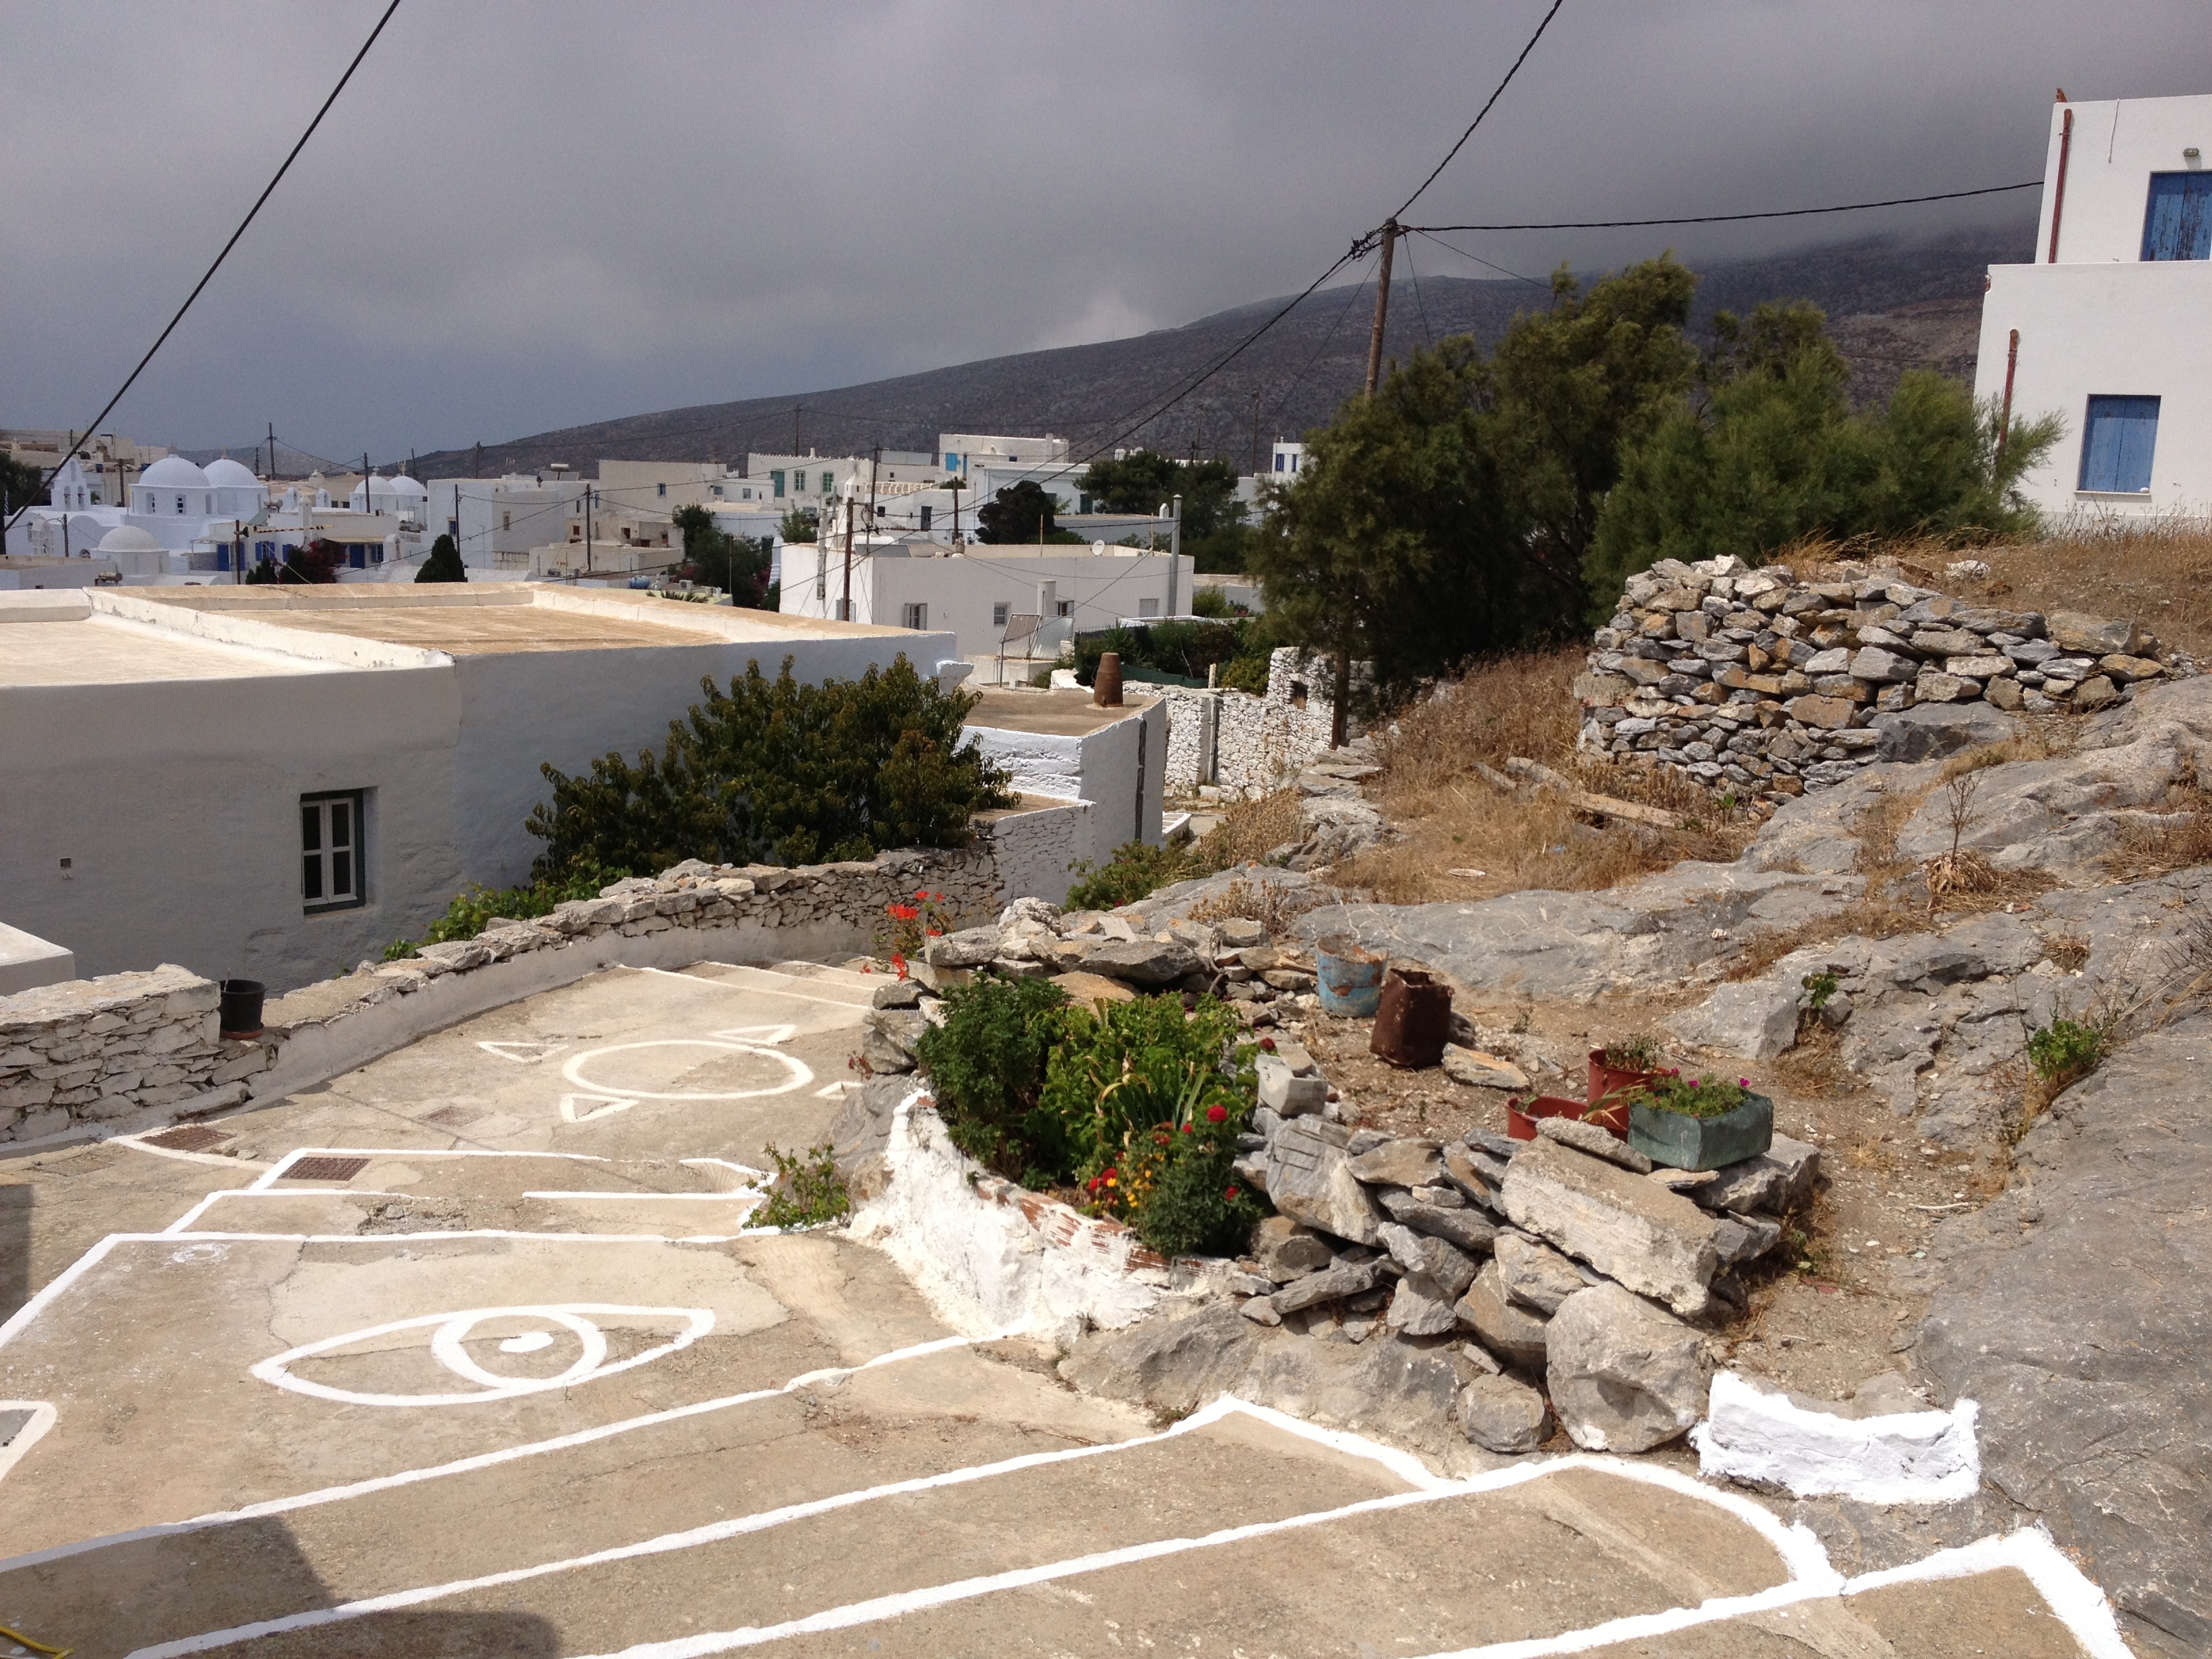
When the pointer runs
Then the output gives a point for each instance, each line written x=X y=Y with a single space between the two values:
x=524 y=215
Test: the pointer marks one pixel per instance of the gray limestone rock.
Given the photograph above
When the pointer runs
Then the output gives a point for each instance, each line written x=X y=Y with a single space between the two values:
x=1930 y=731
x=1142 y=961
x=1405 y=1162
x=1756 y=1018
x=1478 y=1070
x=1513 y=1335
x=1283 y=1090
x=1628 y=1228
x=1425 y=1210
x=1776 y=1182
x=1285 y=1250
x=970 y=947
x=1421 y=1307
x=1536 y=1276
x=1501 y=1415
x=2077 y=1310
x=1446 y=1267
x=1333 y=1284
x=1593 y=1140
x=1623 y=1375
x=1309 y=1179
x=1746 y=1238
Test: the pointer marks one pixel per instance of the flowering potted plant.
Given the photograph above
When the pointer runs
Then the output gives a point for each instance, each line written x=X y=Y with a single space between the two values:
x=1700 y=1124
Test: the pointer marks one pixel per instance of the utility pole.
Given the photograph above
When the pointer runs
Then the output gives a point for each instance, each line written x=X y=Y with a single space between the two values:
x=1255 y=433
x=589 y=492
x=954 y=486
x=1375 y=341
x=795 y=408
x=476 y=471
x=271 y=474
x=845 y=605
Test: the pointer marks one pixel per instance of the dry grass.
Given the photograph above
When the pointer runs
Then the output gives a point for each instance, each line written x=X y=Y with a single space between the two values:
x=1451 y=821
x=2176 y=841
x=1274 y=906
x=1251 y=829
x=2159 y=574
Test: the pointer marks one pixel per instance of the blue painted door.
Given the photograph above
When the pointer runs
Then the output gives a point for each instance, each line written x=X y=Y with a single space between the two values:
x=2178 y=224
x=2116 y=440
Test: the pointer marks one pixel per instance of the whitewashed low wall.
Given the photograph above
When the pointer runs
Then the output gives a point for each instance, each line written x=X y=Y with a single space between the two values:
x=131 y=1051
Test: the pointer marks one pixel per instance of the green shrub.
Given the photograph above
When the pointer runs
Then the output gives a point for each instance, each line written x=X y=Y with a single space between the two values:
x=777 y=772
x=1136 y=870
x=986 y=1069
x=2066 y=1051
x=475 y=909
x=1153 y=1099
x=1819 y=989
x=808 y=1191
x=1247 y=673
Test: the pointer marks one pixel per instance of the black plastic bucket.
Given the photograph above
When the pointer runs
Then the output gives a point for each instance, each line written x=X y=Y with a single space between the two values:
x=241 y=1007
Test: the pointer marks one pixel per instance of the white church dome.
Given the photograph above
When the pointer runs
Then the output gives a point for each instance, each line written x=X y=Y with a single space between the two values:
x=403 y=485
x=226 y=474
x=175 y=472
x=128 y=538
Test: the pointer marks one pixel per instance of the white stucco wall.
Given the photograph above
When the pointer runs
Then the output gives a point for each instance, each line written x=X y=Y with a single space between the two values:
x=2118 y=144
x=2130 y=329
x=1120 y=769
x=177 y=800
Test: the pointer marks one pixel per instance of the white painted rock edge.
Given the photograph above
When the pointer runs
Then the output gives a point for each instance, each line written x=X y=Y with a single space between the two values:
x=1911 y=1457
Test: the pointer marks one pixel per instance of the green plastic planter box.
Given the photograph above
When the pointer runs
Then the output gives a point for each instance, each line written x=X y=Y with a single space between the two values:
x=1702 y=1143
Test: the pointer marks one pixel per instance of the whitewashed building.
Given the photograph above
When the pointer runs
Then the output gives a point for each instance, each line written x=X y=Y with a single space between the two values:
x=2110 y=327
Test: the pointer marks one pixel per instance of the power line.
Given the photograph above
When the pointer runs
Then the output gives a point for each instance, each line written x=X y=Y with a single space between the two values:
x=1484 y=109
x=1733 y=218
x=1480 y=260
x=250 y=214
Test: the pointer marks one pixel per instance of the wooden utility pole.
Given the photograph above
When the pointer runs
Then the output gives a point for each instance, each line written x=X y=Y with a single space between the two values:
x=795 y=408
x=1256 y=432
x=1382 y=316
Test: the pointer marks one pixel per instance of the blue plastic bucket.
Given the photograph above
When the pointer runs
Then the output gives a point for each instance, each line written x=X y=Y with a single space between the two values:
x=1350 y=976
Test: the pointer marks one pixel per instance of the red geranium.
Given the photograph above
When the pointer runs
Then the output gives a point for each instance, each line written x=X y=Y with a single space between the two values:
x=1217 y=1115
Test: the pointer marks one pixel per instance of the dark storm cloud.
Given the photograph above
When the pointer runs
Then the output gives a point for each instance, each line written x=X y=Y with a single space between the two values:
x=520 y=216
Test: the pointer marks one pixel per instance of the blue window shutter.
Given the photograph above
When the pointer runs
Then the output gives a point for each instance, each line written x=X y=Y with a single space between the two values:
x=2177 y=223
x=2117 y=438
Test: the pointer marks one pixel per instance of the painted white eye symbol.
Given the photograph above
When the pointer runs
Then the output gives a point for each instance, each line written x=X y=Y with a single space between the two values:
x=449 y=1332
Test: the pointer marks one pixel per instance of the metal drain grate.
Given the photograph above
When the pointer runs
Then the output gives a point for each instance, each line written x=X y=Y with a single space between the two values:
x=452 y=1117
x=188 y=1138
x=326 y=1169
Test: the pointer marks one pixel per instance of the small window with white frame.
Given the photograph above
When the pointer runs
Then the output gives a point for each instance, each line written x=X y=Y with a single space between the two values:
x=1001 y=610
x=913 y=615
x=332 y=851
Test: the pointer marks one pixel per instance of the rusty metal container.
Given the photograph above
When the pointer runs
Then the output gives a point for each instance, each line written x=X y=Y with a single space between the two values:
x=1413 y=1021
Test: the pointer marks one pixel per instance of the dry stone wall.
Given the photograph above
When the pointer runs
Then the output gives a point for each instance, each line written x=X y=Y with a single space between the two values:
x=1247 y=745
x=112 y=1049
x=1752 y=681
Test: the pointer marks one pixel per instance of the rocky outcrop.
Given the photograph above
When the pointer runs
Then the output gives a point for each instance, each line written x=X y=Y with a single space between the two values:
x=2077 y=1310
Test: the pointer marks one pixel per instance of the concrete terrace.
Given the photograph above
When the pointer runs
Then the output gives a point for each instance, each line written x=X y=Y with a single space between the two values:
x=470 y=1351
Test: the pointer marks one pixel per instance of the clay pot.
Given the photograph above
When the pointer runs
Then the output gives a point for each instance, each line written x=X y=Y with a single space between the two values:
x=1521 y=1116
x=1106 y=685
x=1609 y=1082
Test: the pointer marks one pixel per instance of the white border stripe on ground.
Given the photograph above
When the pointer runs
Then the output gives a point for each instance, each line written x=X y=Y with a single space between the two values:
x=276 y=1172
x=1394 y=1462
x=482 y=1460
x=139 y=1144
x=42 y=1419
x=719 y=983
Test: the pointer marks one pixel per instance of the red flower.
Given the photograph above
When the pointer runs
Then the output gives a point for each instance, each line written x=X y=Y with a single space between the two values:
x=1217 y=1113
x=1232 y=1194
x=1267 y=1043
x=920 y=893
x=1743 y=1082
x=901 y=912
x=936 y=932
x=1190 y=1128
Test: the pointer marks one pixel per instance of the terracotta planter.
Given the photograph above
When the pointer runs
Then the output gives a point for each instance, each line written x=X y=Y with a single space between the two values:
x=1106 y=683
x=1412 y=1022
x=1683 y=1142
x=1521 y=1118
x=1606 y=1081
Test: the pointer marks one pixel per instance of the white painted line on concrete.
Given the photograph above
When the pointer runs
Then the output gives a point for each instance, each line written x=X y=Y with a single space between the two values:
x=756 y=990
x=138 y=1144
x=601 y=1105
x=797 y=1073
x=2077 y=1603
x=276 y=1172
x=182 y=1225
x=42 y=1419
x=451 y=1330
x=507 y=1051
x=651 y=1197
x=768 y=1034
x=61 y=1281
x=201 y=1208
x=1398 y=1463
x=725 y=1164
x=482 y=1460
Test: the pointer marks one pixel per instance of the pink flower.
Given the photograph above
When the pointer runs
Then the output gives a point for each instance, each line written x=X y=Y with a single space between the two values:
x=1743 y=1082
